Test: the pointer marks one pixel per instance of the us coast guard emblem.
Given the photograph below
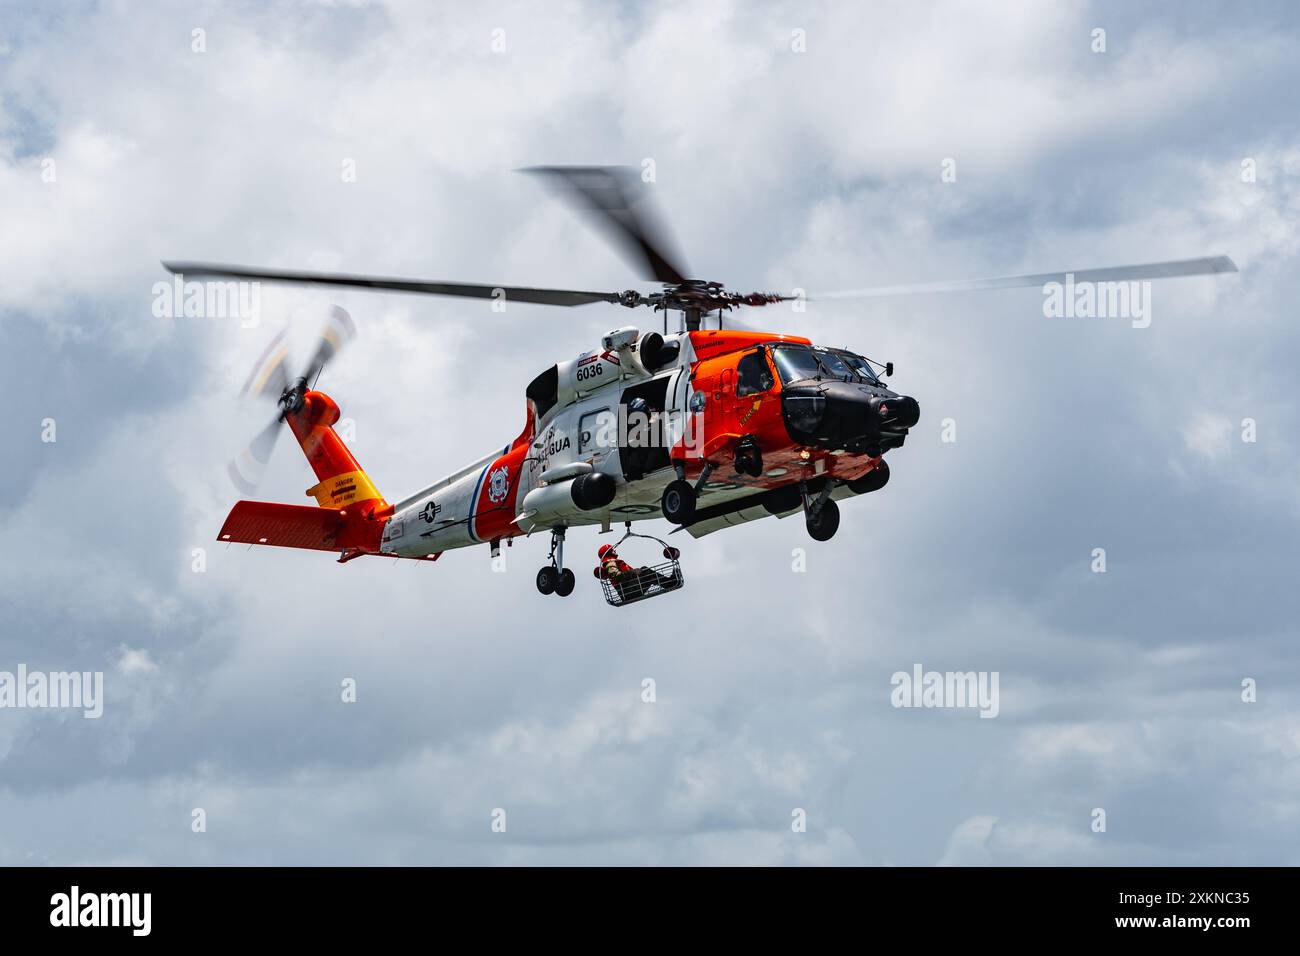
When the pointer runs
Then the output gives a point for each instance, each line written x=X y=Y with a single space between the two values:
x=499 y=484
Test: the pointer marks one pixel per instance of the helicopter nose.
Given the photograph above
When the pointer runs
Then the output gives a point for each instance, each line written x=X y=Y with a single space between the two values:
x=843 y=415
x=898 y=411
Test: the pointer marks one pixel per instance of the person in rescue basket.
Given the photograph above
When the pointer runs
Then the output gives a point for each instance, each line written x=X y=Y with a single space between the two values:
x=630 y=582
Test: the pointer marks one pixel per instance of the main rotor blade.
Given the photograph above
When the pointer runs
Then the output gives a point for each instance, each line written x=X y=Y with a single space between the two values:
x=1152 y=270
x=510 y=293
x=609 y=195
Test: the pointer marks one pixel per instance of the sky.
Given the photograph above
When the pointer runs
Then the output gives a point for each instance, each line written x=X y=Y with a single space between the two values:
x=793 y=145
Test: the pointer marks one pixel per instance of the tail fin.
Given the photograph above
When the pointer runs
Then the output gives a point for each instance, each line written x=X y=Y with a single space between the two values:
x=342 y=482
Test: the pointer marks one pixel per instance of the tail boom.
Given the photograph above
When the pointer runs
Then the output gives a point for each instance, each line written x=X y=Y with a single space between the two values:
x=342 y=482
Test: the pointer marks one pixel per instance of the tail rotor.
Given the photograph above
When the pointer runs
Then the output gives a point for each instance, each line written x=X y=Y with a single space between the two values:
x=270 y=379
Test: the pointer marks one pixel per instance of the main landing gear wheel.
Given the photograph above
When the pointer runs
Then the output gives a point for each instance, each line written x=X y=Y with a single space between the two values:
x=555 y=578
x=564 y=586
x=823 y=522
x=678 y=502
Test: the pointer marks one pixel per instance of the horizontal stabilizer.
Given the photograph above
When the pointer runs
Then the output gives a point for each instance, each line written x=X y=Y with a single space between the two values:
x=290 y=526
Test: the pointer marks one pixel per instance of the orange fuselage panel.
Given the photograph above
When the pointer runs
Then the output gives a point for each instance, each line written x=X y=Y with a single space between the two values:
x=729 y=418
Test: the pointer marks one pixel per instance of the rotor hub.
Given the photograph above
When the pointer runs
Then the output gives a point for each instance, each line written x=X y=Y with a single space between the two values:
x=698 y=296
x=293 y=398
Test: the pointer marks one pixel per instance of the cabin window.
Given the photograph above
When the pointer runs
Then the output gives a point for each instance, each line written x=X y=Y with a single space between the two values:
x=597 y=431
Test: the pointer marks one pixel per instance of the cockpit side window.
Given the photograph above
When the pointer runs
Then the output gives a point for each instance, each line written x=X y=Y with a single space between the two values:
x=753 y=375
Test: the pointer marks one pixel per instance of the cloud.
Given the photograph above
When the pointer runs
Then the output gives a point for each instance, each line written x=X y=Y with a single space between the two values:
x=1208 y=435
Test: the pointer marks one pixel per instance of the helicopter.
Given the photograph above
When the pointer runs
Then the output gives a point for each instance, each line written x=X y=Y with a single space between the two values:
x=707 y=427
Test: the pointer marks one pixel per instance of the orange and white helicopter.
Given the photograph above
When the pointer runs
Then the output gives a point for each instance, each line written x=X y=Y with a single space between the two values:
x=706 y=427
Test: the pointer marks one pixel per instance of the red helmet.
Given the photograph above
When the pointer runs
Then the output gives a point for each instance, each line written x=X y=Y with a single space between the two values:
x=605 y=549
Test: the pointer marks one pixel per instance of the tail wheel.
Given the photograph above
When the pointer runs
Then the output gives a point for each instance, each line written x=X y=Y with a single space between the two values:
x=824 y=526
x=678 y=502
x=564 y=586
x=548 y=580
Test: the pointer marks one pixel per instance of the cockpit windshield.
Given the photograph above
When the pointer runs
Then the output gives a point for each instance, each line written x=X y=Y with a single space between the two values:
x=834 y=365
x=861 y=366
x=795 y=362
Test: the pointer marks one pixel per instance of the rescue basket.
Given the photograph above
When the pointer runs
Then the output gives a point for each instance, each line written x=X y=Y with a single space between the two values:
x=643 y=582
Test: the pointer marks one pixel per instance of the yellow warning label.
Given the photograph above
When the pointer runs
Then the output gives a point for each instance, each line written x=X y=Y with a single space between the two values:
x=343 y=490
